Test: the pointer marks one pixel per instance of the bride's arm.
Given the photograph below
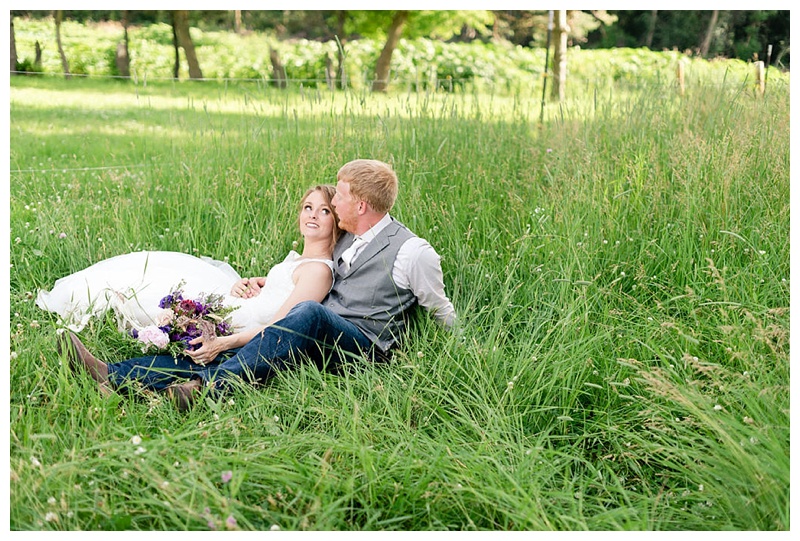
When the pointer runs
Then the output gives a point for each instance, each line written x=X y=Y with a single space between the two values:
x=312 y=283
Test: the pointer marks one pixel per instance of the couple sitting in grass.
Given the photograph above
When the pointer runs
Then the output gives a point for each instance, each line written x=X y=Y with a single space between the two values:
x=346 y=296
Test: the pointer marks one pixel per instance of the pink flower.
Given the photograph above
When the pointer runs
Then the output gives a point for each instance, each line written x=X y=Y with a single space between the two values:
x=230 y=522
x=227 y=476
x=152 y=335
x=62 y=235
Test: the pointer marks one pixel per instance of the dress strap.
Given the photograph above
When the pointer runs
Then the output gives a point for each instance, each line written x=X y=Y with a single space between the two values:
x=328 y=262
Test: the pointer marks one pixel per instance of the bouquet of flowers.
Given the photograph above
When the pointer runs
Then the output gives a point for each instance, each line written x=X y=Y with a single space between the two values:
x=182 y=320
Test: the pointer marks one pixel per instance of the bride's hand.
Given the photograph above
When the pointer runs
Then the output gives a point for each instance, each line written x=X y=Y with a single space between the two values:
x=254 y=286
x=240 y=288
x=207 y=352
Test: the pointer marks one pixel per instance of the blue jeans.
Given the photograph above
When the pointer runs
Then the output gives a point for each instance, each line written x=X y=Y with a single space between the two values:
x=309 y=332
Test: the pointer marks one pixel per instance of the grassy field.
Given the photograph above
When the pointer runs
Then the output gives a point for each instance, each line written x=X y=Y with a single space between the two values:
x=621 y=273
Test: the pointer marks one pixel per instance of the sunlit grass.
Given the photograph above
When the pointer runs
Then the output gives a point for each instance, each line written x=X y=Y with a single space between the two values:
x=621 y=273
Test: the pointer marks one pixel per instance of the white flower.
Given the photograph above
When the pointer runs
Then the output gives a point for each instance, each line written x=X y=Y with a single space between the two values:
x=51 y=517
x=165 y=316
x=274 y=528
x=717 y=407
x=35 y=461
x=136 y=440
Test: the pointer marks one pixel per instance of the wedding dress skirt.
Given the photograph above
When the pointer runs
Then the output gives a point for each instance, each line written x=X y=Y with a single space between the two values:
x=132 y=285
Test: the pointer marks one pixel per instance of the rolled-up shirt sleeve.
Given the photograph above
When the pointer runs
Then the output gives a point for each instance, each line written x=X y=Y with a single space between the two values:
x=418 y=268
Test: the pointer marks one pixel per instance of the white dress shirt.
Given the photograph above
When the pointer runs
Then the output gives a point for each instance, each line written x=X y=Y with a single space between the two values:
x=417 y=268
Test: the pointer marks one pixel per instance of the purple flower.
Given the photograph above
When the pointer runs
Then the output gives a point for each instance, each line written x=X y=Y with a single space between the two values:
x=230 y=522
x=227 y=476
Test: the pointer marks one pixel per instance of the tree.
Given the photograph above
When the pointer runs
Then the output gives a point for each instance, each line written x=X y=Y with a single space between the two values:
x=560 y=55
x=13 y=48
x=394 y=24
x=123 y=61
x=706 y=43
x=58 y=16
x=381 y=82
x=651 y=28
x=180 y=25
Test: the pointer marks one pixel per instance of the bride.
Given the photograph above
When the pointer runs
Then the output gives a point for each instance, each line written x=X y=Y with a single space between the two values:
x=133 y=284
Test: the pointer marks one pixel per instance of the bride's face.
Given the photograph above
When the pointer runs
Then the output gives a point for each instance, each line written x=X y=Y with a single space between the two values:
x=316 y=217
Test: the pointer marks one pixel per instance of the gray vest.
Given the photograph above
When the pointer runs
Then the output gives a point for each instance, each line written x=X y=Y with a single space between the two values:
x=366 y=295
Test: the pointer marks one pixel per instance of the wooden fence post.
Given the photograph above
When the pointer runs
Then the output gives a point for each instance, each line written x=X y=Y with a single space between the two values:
x=760 y=81
x=680 y=72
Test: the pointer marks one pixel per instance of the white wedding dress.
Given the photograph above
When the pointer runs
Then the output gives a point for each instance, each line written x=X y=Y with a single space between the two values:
x=132 y=285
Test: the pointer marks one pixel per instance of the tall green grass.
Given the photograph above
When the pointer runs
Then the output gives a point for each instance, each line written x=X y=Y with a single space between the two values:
x=621 y=273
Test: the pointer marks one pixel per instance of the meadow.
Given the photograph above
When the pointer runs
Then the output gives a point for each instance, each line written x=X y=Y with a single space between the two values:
x=620 y=270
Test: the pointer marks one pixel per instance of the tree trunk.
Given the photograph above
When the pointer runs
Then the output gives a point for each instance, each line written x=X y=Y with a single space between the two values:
x=123 y=61
x=341 y=16
x=651 y=28
x=181 y=24
x=13 y=49
x=58 y=16
x=237 y=21
x=560 y=56
x=176 y=68
x=37 y=56
x=706 y=43
x=330 y=76
x=381 y=82
x=278 y=72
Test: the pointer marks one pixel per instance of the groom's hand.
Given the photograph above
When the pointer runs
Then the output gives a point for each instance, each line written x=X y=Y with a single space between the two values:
x=206 y=352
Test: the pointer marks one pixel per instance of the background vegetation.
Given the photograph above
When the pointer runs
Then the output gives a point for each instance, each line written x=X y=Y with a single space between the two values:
x=741 y=34
x=621 y=271
x=418 y=64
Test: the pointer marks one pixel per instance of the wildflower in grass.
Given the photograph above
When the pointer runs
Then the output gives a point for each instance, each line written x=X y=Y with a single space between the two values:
x=14 y=355
x=226 y=476
x=274 y=528
x=140 y=450
x=35 y=462
x=136 y=440
x=51 y=500
x=51 y=517
x=62 y=235
x=549 y=150
x=717 y=407
x=230 y=522
x=420 y=354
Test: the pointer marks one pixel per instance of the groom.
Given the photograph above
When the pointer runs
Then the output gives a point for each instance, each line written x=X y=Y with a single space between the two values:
x=382 y=271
